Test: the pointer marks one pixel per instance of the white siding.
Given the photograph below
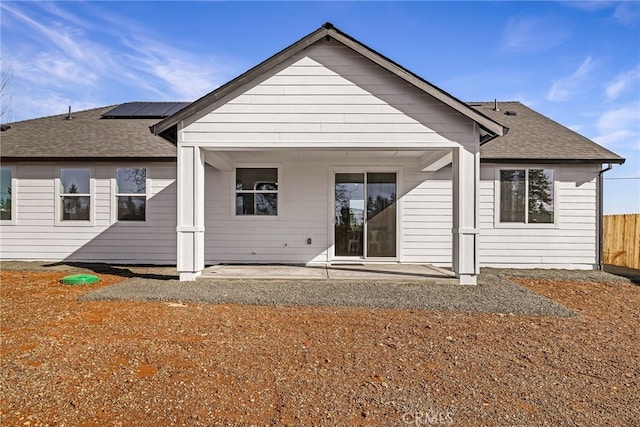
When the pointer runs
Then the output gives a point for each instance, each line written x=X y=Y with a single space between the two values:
x=427 y=218
x=302 y=214
x=571 y=243
x=326 y=98
x=329 y=96
x=36 y=236
x=305 y=211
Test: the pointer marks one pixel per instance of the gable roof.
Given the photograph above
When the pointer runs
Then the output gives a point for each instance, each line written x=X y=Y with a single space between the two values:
x=488 y=126
x=532 y=138
x=536 y=138
x=86 y=135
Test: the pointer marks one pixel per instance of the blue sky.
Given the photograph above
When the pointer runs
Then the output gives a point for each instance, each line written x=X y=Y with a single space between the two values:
x=576 y=62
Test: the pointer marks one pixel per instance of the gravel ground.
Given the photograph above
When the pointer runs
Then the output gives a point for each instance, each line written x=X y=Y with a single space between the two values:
x=493 y=294
x=65 y=360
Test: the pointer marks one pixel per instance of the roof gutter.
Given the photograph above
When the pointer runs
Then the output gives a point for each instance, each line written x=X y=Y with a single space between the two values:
x=571 y=161
x=600 y=195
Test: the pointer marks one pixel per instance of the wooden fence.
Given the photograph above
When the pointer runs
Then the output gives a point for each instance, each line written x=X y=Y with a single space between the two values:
x=621 y=240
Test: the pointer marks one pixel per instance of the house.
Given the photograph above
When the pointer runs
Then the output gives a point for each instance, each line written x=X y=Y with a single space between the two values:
x=326 y=152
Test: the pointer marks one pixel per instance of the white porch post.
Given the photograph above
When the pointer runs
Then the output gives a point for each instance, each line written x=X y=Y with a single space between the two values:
x=190 y=229
x=466 y=183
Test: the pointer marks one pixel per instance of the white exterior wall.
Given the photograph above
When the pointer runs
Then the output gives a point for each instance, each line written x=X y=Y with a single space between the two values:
x=328 y=96
x=326 y=108
x=304 y=200
x=36 y=235
x=427 y=217
x=569 y=243
x=305 y=210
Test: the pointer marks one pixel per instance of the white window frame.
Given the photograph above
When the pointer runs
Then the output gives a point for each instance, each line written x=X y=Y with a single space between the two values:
x=115 y=195
x=14 y=193
x=58 y=199
x=278 y=167
x=498 y=193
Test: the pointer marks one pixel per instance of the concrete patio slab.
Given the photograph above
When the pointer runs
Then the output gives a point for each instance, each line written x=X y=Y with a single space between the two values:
x=264 y=271
x=330 y=272
x=387 y=272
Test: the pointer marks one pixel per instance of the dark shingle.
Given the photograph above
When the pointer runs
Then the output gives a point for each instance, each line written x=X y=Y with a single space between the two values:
x=535 y=137
x=85 y=135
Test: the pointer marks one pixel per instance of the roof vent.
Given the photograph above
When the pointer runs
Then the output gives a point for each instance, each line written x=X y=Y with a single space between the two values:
x=495 y=105
x=511 y=113
x=69 y=116
x=4 y=128
x=328 y=25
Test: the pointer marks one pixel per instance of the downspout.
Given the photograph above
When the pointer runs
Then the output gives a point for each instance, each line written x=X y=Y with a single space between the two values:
x=600 y=189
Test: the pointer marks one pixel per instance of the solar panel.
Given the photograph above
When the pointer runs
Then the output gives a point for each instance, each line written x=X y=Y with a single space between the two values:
x=176 y=107
x=124 y=110
x=144 y=110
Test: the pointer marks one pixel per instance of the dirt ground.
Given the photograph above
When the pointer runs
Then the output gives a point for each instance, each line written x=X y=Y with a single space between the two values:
x=65 y=362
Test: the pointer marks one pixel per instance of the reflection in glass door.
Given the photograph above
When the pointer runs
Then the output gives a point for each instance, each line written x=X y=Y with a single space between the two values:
x=365 y=214
x=349 y=213
x=381 y=215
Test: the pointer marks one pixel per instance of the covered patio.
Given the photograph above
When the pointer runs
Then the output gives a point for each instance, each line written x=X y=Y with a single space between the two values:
x=310 y=118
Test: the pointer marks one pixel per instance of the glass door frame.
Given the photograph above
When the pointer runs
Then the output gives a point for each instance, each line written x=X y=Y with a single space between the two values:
x=332 y=257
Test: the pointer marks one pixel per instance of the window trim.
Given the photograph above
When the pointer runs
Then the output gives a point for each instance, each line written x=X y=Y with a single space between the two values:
x=498 y=196
x=234 y=192
x=58 y=201
x=14 y=193
x=115 y=195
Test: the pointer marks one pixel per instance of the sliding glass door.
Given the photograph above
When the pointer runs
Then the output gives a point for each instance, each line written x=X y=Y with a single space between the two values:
x=365 y=214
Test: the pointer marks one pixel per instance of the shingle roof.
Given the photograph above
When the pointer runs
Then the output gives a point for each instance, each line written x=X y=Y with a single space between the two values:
x=85 y=135
x=534 y=137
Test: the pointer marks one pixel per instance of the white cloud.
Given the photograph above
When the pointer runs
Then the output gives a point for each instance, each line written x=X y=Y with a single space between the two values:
x=612 y=138
x=622 y=82
x=619 y=127
x=179 y=74
x=48 y=103
x=620 y=118
x=564 y=88
x=98 y=56
x=526 y=34
x=627 y=12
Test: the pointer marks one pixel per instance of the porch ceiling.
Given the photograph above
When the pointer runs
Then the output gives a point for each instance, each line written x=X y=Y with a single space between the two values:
x=425 y=157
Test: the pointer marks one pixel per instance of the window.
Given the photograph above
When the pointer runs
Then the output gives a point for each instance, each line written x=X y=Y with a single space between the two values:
x=131 y=194
x=257 y=191
x=526 y=196
x=75 y=194
x=6 y=188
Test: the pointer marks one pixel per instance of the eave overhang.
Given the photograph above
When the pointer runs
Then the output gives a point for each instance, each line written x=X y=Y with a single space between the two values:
x=85 y=159
x=616 y=160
